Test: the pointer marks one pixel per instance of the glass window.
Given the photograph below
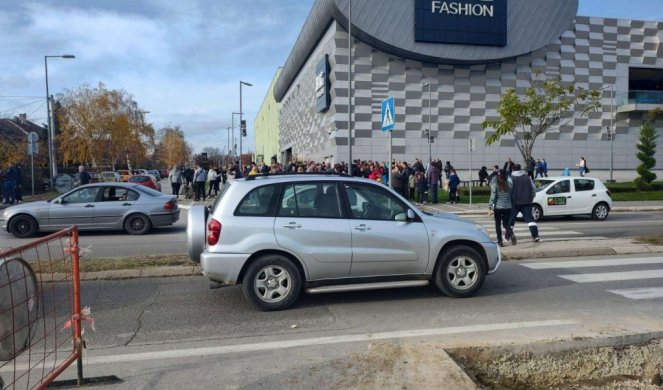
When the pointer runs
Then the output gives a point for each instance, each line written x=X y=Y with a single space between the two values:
x=258 y=203
x=372 y=202
x=584 y=184
x=118 y=194
x=310 y=200
x=561 y=187
x=84 y=195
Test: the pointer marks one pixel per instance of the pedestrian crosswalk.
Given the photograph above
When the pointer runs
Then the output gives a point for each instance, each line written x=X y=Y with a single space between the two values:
x=547 y=232
x=611 y=274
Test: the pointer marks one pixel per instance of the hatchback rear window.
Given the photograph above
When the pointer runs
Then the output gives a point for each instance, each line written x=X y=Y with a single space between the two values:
x=584 y=184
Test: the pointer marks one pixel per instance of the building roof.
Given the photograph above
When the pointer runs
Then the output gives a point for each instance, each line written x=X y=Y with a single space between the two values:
x=17 y=128
x=389 y=26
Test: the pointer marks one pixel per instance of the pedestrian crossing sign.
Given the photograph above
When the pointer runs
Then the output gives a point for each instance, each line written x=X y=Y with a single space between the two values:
x=388 y=121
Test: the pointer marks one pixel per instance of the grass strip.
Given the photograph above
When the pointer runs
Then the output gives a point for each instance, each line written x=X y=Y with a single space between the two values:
x=651 y=240
x=125 y=263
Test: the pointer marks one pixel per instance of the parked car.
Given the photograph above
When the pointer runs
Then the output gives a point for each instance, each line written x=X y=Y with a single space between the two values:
x=280 y=235
x=566 y=195
x=124 y=174
x=145 y=180
x=95 y=177
x=110 y=176
x=155 y=173
x=104 y=206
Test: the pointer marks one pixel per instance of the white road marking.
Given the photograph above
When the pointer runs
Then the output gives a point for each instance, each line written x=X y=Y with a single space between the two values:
x=614 y=276
x=275 y=345
x=545 y=234
x=594 y=263
x=543 y=238
x=640 y=293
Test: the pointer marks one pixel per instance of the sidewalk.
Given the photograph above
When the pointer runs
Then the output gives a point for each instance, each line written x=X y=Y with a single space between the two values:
x=482 y=208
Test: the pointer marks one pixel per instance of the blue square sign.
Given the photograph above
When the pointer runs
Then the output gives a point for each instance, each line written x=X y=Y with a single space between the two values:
x=388 y=121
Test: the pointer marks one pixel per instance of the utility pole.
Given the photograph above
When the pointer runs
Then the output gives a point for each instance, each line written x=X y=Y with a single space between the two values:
x=241 y=135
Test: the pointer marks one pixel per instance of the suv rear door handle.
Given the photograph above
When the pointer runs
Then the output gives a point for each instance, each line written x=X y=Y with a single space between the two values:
x=126 y=204
x=292 y=225
x=89 y=205
x=362 y=228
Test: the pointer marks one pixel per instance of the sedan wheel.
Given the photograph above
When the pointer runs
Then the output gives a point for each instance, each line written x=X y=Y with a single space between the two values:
x=460 y=272
x=137 y=224
x=272 y=282
x=600 y=211
x=23 y=226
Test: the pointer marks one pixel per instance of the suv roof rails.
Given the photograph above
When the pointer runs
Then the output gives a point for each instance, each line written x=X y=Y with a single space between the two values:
x=340 y=174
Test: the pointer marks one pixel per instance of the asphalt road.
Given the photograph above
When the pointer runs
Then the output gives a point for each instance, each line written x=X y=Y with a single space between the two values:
x=171 y=333
x=172 y=239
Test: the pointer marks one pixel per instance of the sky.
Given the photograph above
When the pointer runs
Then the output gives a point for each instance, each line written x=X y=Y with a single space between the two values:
x=181 y=60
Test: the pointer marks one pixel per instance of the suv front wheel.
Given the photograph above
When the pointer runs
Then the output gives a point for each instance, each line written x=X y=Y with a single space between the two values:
x=460 y=272
x=272 y=282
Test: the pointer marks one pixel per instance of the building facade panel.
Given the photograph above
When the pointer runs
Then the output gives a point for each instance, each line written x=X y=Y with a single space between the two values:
x=596 y=53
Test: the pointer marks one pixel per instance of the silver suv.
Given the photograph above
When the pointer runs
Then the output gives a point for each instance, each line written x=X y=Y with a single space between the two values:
x=279 y=235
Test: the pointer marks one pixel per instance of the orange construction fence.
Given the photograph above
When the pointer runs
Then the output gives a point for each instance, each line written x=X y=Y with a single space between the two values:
x=40 y=311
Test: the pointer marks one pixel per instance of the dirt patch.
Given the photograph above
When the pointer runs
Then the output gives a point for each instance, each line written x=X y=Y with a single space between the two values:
x=623 y=367
x=401 y=366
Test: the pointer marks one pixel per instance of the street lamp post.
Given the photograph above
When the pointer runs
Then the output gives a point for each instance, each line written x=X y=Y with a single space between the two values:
x=234 y=146
x=228 y=145
x=241 y=83
x=350 y=90
x=51 y=131
x=429 y=133
x=611 y=131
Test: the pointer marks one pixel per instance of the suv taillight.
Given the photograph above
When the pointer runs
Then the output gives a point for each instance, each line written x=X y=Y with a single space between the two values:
x=214 y=229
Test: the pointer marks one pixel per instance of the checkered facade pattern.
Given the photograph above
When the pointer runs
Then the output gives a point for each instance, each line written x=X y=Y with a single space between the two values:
x=595 y=53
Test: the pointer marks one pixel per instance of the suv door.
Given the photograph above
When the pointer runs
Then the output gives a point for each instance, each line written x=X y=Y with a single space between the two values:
x=381 y=244
x=559 y=199
x=311 y=223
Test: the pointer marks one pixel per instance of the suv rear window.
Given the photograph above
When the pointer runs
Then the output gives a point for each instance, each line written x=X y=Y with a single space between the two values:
x=259 y=202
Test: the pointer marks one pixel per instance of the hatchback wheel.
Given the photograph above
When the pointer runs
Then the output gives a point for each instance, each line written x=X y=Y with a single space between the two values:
x=600 y=211
x=537 y=212
x=137 y=224
x=460 y=272
x=272 y=282
x=23 y=226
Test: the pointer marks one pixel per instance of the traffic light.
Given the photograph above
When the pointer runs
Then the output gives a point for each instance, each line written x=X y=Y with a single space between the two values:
x=243 y=128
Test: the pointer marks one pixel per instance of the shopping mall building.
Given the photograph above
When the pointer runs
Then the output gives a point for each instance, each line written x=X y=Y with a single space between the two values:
x=469 y=52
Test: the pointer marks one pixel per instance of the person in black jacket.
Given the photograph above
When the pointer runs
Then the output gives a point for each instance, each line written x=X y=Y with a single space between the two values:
x=483 y=175
x=523 y=194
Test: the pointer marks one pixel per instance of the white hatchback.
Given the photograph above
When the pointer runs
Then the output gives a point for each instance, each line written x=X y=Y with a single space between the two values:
x=571 y=196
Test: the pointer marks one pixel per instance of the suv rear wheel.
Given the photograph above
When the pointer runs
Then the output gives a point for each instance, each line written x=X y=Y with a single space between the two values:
x=272 y=282
x=460 y=272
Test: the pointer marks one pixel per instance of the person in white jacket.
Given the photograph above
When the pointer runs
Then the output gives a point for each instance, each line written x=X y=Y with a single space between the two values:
x=213 y=180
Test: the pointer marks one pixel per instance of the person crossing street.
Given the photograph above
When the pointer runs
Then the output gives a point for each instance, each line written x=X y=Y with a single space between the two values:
x=523 y=194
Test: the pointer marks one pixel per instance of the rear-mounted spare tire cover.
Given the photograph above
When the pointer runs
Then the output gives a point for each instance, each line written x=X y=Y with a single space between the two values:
x=196 y=231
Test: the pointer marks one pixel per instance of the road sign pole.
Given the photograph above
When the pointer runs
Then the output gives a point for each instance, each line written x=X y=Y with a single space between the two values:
x=391 y=167
x=32 y=172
